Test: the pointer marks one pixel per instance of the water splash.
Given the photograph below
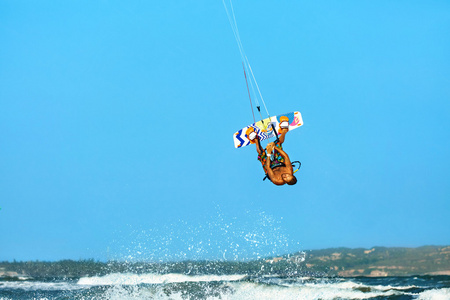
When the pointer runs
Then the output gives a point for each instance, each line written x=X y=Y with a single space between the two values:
x=253 y=235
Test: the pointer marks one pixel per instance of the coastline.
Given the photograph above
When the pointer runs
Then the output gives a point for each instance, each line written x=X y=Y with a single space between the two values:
x=340 y=262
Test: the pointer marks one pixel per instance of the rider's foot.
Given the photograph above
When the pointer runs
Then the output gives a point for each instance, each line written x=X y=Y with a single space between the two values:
x=284 y=122
x=251 y=134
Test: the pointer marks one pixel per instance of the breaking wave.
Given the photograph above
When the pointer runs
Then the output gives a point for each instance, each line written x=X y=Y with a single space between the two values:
x=136 y=279
x=117 y=286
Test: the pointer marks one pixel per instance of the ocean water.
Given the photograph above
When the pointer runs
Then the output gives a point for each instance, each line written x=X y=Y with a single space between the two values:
x=236 y=270
x=235 y=286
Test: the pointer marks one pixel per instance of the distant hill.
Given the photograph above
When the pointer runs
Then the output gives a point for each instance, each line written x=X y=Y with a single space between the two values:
x=345 y=262
x=377 y=261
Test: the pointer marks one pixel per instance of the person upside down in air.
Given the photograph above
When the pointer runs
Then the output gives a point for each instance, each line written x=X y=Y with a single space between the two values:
x=279 y=167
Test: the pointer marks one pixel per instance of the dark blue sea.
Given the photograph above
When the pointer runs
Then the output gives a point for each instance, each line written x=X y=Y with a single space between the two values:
x=237 y=286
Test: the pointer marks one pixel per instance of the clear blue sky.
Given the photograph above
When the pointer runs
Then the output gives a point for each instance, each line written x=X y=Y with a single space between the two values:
x=117 y=120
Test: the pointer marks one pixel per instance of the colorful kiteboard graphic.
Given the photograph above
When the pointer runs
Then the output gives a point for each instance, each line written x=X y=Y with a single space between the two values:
x=264 y=130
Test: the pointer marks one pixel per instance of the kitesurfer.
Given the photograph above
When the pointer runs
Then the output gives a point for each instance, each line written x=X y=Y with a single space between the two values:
x=279 y=167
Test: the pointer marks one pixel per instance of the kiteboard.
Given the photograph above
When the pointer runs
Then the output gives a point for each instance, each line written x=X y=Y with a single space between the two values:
x=265 y=130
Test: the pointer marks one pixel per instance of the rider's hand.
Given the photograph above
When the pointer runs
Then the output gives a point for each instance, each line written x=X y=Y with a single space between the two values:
x=270 y=147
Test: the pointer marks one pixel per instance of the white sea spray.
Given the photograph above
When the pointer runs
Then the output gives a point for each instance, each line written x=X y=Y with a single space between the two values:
x=435 y=294
x=218 y=237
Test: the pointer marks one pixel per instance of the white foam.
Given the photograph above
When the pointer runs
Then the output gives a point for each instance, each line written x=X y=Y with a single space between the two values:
x=435 y=294
x=390 y=287
x=315 y=291
x=127 y=286
x=38 y=285
x=135 y=279
x=251 y=291
x=138 y=293
x=350 y=285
